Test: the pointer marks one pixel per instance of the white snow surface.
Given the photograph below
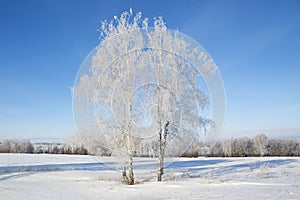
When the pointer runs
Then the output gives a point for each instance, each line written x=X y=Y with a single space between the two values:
x=41 y=176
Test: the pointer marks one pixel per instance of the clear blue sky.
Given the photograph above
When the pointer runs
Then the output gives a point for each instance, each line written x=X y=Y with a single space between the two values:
x=256 y=45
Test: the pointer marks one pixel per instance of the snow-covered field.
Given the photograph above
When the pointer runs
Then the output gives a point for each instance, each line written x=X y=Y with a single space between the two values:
x=25 y=176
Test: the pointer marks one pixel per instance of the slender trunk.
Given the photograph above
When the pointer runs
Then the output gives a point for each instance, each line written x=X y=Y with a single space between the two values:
x=161 y=152
x=160 y=160
x=129 y=147
x=164 y=145
x=131 y=176
x=124 y=175
x=130 y=179
x=159 y=141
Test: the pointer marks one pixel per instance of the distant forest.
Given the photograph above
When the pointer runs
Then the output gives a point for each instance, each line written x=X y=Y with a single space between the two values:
x=25 y=146
x=260 y=145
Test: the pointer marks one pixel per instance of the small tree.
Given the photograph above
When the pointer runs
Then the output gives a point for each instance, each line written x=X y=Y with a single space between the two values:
x=260 y=142
x=5 y=146
x=26 y=146
x=228 y=147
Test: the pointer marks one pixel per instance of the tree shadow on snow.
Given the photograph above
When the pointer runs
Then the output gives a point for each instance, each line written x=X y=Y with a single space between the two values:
x=98 y=166
x=252 y=166
x=15 y=176
x=193 y=163
x=196 y=169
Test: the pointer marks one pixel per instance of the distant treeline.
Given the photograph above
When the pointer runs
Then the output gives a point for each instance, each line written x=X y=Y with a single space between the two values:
x=25 y=146
x=258 y=146
x=241 y=147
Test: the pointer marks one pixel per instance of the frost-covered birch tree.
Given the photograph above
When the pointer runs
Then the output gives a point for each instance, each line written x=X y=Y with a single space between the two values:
x=112 y=63
x=178 y=95
x=143 y=86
